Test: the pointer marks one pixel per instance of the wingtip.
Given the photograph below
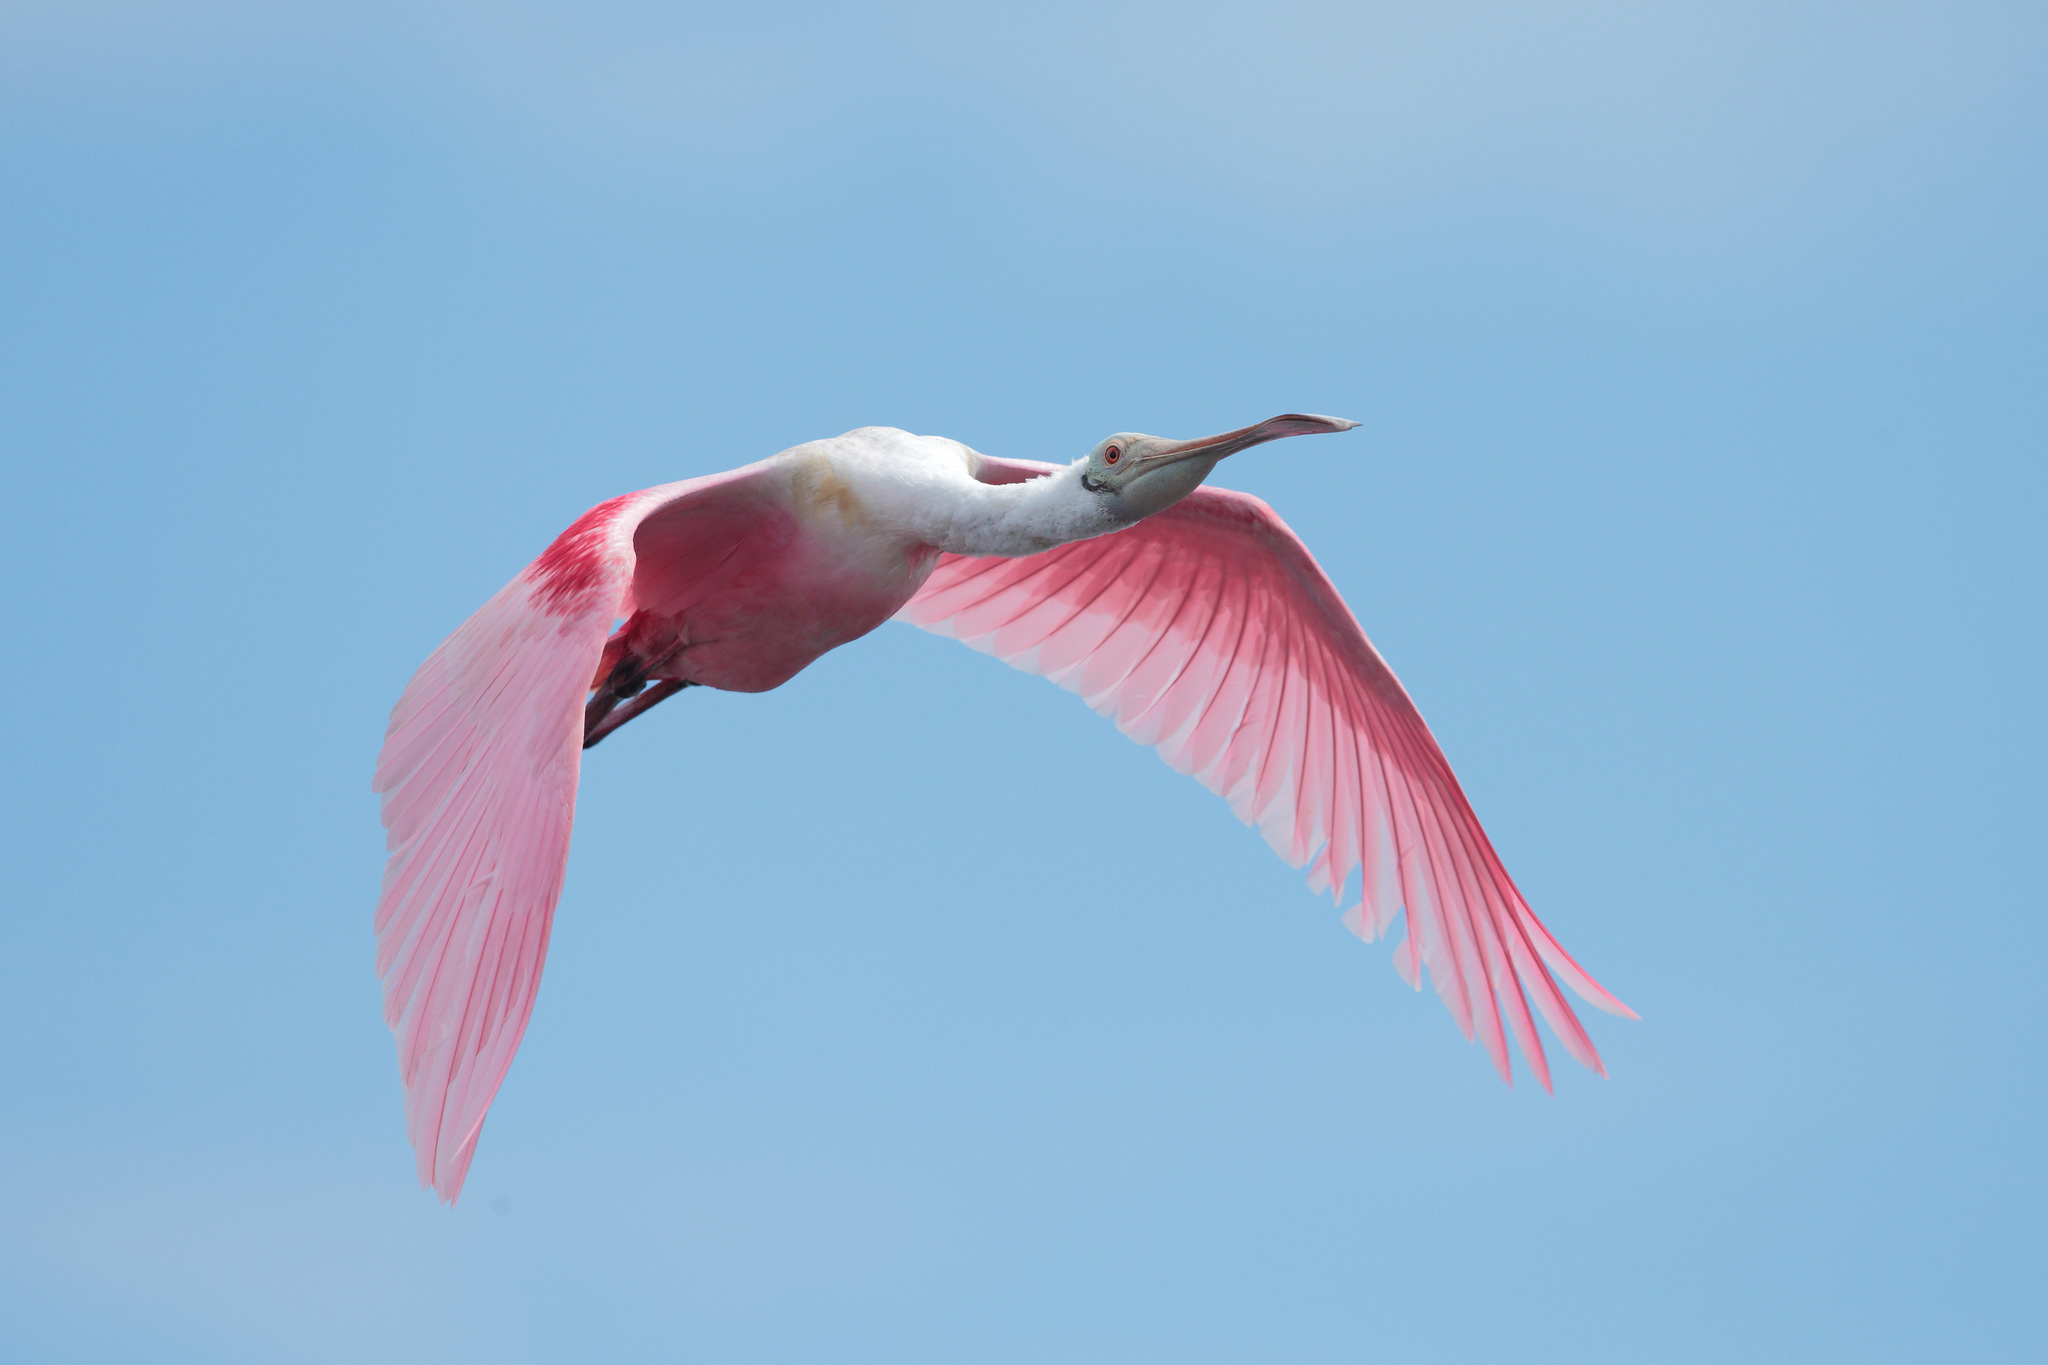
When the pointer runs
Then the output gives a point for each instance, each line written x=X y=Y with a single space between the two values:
x=446 y=1196
x=1407 y=966
x=448 y=1189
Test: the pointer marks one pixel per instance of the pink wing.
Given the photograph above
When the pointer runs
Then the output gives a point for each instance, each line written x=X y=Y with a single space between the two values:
x=478 y=776
x=1210 y=632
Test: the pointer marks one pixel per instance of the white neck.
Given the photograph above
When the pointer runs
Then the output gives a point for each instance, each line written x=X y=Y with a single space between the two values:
x=966 y=517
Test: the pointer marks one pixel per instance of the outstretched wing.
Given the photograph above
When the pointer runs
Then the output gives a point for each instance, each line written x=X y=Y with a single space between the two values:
x=1209 y=632
x=478 y=777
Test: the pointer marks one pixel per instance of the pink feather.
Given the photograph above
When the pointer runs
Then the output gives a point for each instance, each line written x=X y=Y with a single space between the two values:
x=1209 y=631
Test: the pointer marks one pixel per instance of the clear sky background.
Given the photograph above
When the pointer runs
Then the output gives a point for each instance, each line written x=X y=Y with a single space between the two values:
x=1699 y=501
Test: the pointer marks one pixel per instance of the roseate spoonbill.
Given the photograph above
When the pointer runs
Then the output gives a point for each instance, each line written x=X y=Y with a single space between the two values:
x=1192 y=616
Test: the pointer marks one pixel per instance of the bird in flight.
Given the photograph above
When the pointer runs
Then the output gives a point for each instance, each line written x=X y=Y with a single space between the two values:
x=1191 y=616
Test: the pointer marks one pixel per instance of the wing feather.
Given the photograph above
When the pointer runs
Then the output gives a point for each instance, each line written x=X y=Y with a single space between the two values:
x=1153 y=679
x=1210 y=633
x=479 y=788
x=478 y=778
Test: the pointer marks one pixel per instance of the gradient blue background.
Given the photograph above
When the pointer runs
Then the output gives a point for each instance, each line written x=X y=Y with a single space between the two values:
x=908 y=1013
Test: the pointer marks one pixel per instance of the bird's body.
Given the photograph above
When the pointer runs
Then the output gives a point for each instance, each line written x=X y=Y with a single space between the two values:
x=744 y=578
x=1191 y=615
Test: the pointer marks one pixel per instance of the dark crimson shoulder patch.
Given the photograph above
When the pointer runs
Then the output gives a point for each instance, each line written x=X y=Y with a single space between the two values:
x=568 y=569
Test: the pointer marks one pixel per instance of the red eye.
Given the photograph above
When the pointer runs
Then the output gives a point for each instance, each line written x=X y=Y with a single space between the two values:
x=1112 y=455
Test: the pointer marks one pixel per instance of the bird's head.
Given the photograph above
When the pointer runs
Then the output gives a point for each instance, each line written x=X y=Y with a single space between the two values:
x=1134 y=475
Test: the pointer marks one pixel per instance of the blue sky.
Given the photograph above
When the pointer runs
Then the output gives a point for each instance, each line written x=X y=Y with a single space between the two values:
x=1701 y=359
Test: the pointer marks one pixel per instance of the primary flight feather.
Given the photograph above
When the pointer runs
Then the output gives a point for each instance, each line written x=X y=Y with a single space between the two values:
x=1191 y=616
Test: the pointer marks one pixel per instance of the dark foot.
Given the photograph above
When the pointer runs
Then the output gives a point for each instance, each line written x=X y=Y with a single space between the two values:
x=619 y=715
x=621 y=697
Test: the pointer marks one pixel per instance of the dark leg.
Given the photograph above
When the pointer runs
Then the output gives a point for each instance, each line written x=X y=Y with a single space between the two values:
x=603 y=713
x=618 y=715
